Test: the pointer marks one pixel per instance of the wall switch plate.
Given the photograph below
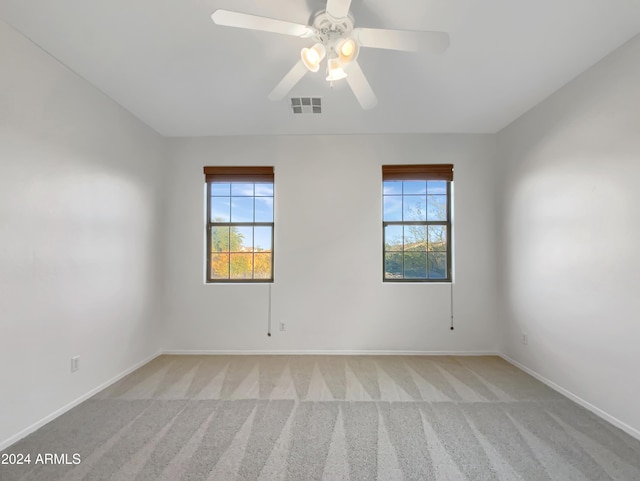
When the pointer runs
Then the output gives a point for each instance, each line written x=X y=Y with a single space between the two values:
x=525 y=338
x=282 y=326
x=75 y=363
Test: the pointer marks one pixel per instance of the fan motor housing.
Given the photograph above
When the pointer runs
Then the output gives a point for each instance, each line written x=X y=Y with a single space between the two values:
x=329 y=31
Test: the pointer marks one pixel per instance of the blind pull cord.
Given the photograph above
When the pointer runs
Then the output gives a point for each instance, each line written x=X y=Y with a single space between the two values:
x=451 y=306
x=269 y=314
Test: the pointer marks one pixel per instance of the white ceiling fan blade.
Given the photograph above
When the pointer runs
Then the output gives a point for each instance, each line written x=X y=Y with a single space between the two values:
x=360 y=86
x=289 y=81
x=253 y=22
x=338 y=9
x=410 y=40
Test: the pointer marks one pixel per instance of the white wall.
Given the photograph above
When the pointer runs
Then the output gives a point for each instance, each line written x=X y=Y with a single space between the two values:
x=328 y=263
x=78 y=234
x=571 y=227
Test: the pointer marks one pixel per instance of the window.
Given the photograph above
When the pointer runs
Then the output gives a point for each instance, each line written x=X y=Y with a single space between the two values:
x=416 y=222
x=239 y=224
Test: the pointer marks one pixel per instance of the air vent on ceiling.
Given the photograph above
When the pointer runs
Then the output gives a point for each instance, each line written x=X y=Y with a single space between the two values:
x=306 y=105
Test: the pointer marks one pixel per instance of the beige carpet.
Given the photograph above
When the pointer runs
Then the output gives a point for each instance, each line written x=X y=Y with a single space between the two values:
x=339 y=418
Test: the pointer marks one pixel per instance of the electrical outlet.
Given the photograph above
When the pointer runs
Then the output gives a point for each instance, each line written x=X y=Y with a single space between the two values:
x=75 y=363
x=525 y=338
x=282 y=326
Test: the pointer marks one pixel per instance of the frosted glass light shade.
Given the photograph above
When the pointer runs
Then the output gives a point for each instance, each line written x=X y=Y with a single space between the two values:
x=311 y=57
x=336 y=72
x=347 y=50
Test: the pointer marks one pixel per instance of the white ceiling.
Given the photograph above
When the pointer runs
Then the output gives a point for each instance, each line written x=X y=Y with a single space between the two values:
x=171 y=66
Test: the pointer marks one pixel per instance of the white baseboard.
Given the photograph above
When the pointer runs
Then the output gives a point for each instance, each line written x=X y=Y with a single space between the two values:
x=195 y=352
x=37 y=425
x=585 y=404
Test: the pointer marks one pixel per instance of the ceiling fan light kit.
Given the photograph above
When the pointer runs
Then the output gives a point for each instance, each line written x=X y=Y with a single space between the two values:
x=336 y=38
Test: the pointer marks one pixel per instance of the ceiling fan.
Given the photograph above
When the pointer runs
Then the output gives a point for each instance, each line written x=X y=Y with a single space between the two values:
x=332 y=35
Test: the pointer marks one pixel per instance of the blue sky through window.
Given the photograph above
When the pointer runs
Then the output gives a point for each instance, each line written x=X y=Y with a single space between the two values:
x=414 y=200
x=241 y=202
